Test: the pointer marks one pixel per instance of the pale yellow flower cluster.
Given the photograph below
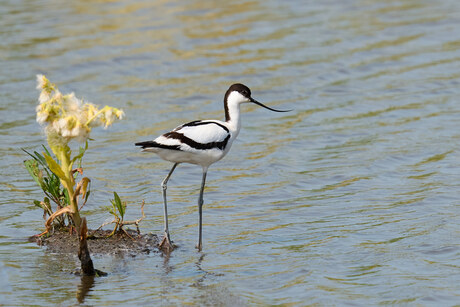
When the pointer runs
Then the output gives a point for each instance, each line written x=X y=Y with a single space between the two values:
x=66 y=117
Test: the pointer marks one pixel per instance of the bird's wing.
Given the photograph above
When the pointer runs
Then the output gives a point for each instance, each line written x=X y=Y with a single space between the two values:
x=204 y=132
x=192 y=137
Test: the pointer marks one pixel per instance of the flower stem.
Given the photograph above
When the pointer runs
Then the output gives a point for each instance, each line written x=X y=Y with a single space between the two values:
x=68 y=182
x=95 y=115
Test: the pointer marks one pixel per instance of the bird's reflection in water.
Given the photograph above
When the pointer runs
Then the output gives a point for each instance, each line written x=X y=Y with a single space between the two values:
x=200 y=280
x=167 y=268
x=211 y=293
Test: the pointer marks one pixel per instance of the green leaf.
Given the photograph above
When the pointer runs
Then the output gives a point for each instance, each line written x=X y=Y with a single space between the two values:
x=85 y=188
x=120 y=206
x=55 y=167
x=42 y=161
x=40 y=158
x=34 y=171
x=117 y=199
x=46 y=150
x=80 y=155
x=53 y=186
x=49 y=185
x=38 y=204
x=66 y=196
x=112 y=209
x=87 y=194
x=47 y=203
x=46 y=179
x=37 y=157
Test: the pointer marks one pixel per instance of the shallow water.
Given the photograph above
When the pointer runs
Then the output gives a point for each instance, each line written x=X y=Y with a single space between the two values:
x=352 y=198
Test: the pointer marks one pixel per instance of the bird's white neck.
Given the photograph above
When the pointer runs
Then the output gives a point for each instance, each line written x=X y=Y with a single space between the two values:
x=232 y=115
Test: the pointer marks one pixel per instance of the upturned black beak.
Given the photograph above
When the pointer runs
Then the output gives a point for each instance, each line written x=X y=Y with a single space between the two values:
x=262 y=105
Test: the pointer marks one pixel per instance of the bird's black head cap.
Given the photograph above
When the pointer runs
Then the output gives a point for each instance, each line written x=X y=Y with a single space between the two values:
x=237 y=87
x=246 y=92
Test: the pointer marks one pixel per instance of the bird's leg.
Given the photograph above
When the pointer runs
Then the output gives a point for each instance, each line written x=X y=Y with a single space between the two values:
x=200 y=209
x=166 y=242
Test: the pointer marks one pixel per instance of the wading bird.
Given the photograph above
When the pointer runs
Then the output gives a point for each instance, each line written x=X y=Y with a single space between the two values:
x=200 y=142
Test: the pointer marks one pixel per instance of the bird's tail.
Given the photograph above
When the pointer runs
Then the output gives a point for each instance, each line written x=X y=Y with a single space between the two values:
x=146 y=144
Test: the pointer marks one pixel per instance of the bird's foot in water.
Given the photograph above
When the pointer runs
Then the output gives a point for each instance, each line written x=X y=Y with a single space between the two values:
x=166 y=244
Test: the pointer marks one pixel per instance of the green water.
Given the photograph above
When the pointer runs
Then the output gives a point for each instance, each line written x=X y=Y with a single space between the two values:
x=351 y=199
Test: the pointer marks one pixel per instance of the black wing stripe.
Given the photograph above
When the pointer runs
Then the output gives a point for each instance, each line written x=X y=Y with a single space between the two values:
x=185 y=140
x=196 y=145
x=199 y=123
x=150 y=144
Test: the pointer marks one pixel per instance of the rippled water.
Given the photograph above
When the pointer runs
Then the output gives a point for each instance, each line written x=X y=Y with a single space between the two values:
x=352 y=198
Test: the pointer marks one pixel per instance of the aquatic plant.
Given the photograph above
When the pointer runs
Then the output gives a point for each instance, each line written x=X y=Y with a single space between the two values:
x=64 y=118
x=51 y=185
x=118 y=210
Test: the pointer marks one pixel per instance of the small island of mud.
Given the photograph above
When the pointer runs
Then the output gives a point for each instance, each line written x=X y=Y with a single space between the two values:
x=128 y=243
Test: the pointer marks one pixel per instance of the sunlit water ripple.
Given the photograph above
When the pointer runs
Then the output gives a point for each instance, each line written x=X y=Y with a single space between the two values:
x=352 y=198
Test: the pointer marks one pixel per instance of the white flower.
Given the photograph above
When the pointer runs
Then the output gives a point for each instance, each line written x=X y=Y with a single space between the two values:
x=109 y=113
x=109 y=117
x=57 y=95
x=66 y=133
x=53 y=137
x=41 y=117
x=95 y=122
x=73 y=103
x=66 y=117
x=61 y=124
x=80 y=133
x=120 y=114
x=41 y=80
x=55 y=126
x=44 y=97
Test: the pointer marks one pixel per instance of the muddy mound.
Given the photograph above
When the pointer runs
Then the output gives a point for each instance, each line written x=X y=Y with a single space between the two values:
x=130 y=243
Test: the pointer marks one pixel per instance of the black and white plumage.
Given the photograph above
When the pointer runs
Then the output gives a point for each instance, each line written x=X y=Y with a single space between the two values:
x=201 y=142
